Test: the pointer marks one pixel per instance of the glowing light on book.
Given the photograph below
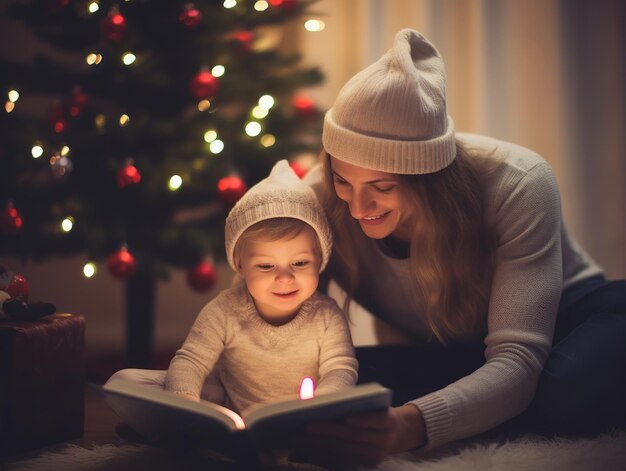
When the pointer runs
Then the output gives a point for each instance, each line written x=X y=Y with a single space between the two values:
x=307 y=388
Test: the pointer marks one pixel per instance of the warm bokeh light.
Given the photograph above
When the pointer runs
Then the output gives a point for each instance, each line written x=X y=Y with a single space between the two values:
x=93 y=58
x=210 y=135
x=36 y=151
x=253 y=128
x=129 y=58
x=100 y=120
x=261 y=5
x=65 y=150
x=175 y=182
x=93 y=7
x=216 y=146
x=89 y=269
x=67 y=224
x=259 y=113
x=230 y=3
x=13 y=95
x=204 y=105
x=266 y=102
x=314 y=26
x=218 y=71
x=268 y=140
x=124 y=120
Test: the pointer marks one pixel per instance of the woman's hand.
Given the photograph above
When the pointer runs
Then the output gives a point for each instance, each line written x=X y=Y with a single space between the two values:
x=364 y=439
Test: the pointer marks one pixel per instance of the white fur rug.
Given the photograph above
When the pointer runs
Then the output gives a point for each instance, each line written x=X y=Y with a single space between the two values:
x=603 y=453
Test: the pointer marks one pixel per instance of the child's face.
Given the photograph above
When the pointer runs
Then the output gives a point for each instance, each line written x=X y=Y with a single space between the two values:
x=280 y=275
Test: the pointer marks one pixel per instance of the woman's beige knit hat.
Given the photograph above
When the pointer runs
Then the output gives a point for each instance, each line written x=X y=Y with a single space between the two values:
x=392 y=115
x=281 y=194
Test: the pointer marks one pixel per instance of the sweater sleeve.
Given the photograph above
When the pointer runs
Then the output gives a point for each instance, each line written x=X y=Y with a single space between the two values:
x=524 y=300
x=202 y=348
x=338 y=364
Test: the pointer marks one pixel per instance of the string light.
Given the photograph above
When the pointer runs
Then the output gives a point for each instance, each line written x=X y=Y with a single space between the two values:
x=93 y=7
x=13 y=96
x=124 y=120
x=210 y=135
x=259 y=113
x=230 y=3
x=89 y=269
x=9 y=106
x=175 y=182
x=67 y=224
x=36 y=151
x=314 y=26
x=65 y=151
x=93 y=58
x=100 y=120
x=268 y=140
x=204 y=105
x=129 y=58
x=261 y=5
x=253 y=128
x=216 y=146
x=218 y=70
x=266 y=102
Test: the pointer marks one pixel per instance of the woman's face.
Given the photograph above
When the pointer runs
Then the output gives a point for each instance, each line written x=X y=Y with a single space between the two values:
x=374 y=199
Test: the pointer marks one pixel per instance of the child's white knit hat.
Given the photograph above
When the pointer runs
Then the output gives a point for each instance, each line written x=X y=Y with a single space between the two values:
x=281 y=194
x=392 y=115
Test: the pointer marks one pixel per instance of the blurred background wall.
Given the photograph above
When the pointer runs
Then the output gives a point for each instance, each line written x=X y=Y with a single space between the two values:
x=546 y=74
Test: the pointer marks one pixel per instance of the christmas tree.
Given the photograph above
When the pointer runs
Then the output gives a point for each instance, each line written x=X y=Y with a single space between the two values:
x=135 y=140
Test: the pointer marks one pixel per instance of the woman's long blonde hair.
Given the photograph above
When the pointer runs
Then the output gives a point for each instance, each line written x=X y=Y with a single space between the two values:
x=452 y=247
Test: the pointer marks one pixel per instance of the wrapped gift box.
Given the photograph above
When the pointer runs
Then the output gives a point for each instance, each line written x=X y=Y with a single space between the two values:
x=41 y=381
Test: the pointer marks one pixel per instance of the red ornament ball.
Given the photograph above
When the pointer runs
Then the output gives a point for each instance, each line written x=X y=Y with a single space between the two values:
x=230 y=189
x=77 y=102
x=10 y=220
x=18 y=286
x=286 y=4
x=203 y=85
x=127 y=176
x=114 y=26
x=57 y=118
x=244 y=39
x=122 y=264
x=190 y=17
x=202 y=277
x=304 y=106
x=298 y=169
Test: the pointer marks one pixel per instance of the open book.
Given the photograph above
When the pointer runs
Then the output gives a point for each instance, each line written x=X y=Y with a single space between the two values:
x=162 y=415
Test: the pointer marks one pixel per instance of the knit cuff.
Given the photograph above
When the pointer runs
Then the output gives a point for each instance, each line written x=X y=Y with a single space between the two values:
x=436 y=417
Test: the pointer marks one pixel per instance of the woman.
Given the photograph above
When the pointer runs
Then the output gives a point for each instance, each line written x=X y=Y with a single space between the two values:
x=457 y=240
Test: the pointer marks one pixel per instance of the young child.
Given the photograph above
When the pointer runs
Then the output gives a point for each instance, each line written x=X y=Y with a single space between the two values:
x=256 y=342
x=263 y=337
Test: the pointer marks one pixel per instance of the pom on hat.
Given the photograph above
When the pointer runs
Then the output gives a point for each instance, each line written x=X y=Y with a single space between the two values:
x=281 y=194
x=392 y=116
